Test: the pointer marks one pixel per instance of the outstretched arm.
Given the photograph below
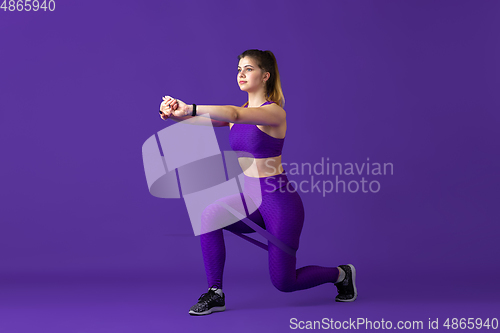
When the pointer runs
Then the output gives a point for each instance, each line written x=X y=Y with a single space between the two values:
x=270 y=114
x=169 y=107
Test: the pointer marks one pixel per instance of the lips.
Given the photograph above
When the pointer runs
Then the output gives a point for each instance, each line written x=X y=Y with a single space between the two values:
x=243 y=81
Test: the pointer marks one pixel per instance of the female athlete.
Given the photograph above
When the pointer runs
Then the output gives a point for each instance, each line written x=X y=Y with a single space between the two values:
x=258 y=127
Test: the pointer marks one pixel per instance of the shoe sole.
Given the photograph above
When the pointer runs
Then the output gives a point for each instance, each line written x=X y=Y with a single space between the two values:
x=209 y=311
x=353 y=271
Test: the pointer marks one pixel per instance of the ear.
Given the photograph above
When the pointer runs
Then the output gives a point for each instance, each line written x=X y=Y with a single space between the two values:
x=267 y=76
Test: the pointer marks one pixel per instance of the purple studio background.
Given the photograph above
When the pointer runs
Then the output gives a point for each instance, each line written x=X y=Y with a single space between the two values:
x=412 y=83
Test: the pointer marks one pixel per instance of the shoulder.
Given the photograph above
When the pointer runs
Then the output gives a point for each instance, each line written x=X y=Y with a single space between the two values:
x=275 y=108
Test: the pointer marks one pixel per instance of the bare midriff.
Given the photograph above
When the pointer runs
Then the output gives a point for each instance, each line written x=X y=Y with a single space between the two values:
x=261 y=167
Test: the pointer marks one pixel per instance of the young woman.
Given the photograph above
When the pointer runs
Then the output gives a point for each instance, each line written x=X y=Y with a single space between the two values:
x=259 y=127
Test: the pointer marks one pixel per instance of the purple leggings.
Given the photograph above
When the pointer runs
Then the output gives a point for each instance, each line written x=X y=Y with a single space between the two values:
x=281 y=213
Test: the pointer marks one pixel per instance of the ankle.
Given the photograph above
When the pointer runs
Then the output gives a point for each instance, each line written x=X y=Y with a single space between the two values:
x=341 y=276
x=216 y=290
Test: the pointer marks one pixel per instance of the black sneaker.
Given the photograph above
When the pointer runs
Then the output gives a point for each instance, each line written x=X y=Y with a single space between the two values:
x=347 y=287
x=209 y=302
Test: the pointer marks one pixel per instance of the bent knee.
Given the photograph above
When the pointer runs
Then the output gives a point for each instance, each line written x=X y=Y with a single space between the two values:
x=283 y=285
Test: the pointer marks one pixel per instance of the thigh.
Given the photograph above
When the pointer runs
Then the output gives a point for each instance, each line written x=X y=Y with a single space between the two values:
x=283 y=214
x=219 y=214
x=242 y=227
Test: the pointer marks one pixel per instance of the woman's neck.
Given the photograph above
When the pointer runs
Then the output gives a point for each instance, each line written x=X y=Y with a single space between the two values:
x=254 y=100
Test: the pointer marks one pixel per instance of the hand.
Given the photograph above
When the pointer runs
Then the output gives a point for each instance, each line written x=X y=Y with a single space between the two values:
x=176 y=107
x=164 y=116
x=166 y=110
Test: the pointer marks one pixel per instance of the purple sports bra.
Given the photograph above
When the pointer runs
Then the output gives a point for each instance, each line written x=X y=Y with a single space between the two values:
x=249 y=138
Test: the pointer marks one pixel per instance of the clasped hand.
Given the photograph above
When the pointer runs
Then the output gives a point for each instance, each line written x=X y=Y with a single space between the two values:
x=173 y=107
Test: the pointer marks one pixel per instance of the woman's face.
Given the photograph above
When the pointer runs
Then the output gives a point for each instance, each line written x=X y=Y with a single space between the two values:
x=249 y=75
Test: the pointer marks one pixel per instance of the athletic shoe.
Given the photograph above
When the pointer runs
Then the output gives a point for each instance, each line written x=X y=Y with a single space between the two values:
x=209 y=302
x=347 y=287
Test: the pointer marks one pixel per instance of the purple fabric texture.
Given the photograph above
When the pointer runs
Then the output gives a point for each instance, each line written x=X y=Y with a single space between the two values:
x=248 y=138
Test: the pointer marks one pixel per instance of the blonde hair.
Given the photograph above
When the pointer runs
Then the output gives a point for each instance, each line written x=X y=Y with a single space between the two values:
x=267 y=63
